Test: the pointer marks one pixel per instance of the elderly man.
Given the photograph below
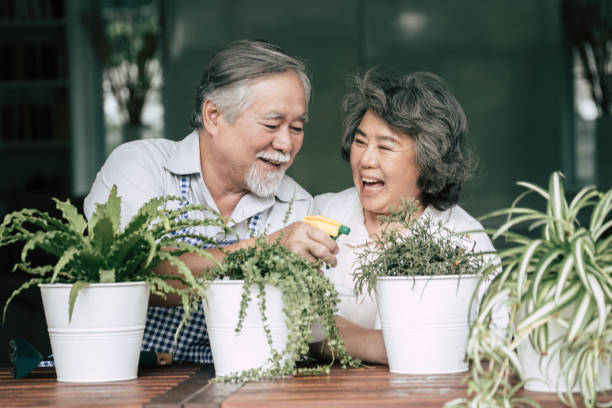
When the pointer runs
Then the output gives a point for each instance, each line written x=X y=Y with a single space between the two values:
x=250 y=110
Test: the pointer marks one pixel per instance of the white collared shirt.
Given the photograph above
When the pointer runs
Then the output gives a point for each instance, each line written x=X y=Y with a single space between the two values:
x=149 y=168
x=346 y=208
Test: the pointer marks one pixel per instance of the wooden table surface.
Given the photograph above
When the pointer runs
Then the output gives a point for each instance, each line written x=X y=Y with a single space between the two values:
x=188 y=386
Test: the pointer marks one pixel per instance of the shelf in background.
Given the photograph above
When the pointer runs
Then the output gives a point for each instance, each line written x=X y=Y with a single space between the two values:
x=31 y=22
x=33 y=83
x=34 y=145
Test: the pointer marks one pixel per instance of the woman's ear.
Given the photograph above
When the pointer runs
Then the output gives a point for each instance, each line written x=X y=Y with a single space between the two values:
x=210 y=117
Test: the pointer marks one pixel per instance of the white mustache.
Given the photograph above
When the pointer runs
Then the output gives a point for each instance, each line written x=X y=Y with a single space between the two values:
x=274 y=156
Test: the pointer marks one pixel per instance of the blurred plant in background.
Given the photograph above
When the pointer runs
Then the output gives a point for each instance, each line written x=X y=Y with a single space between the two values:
x=589 y=24
x=132 y=57
x=127 y=40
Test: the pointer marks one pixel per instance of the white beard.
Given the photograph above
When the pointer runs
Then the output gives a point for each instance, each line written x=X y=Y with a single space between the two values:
x=264 y=183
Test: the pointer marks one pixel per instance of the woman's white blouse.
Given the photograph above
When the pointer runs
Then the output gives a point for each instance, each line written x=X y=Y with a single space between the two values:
x=345 y=207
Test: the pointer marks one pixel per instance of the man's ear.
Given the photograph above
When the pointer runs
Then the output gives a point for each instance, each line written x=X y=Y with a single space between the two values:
x=211 y=115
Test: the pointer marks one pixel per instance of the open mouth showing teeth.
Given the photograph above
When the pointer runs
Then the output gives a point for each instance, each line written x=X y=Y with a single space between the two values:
x=372 y=182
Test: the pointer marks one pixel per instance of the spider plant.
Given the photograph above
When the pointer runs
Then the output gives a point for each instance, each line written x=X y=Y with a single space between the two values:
x=560 y=276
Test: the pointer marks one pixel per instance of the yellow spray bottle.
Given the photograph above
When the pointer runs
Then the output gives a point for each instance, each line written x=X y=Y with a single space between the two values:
x=333 y=228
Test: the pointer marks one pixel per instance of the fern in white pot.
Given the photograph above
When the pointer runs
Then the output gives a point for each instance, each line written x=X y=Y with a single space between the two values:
x=94 y=267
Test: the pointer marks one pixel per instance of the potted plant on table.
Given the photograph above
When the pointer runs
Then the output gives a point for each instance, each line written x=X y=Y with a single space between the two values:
x=260 y=307
x=424 y=280
x=95 y=290
x=558 y=289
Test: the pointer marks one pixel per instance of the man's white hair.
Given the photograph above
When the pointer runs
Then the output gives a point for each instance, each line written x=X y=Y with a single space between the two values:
x=234 y=68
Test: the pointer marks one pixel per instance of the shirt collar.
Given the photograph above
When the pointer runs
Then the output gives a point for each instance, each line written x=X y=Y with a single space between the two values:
x=186 y=158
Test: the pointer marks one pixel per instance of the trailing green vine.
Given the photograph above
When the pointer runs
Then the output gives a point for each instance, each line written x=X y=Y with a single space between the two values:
x=307 y=296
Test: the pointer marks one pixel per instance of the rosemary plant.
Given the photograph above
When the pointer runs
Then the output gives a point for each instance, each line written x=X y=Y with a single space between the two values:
x=562 y=276
x=307 y=296
x=409 y=245
x=99 y=252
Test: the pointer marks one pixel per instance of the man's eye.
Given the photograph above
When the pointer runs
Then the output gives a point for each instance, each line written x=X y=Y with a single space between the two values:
x=272 y=127
x=386 y=148
x=296 y=129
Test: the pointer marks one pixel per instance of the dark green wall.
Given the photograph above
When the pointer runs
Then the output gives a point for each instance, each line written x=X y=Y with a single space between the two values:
x=503 y=59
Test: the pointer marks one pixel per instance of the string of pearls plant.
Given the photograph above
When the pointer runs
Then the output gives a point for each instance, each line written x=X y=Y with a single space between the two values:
x=307 y=296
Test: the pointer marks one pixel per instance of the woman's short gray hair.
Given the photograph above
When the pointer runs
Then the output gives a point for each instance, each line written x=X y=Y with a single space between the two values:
x=227 y=78
x=421 y=105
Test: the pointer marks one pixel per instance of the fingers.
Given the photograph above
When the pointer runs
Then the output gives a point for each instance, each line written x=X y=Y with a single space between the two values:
x=322 y=252
x=322 y=238
x=309 y=242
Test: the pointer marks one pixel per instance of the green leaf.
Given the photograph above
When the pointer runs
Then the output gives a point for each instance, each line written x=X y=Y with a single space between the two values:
x=582 y=198
x=107 y=275
x=183 y=269
x=599 y=297
x=16 y=292
x=535 y=188
x=540 y=316
x=542 y=268
x=75 y=220
x=62 y=262
x=509 y=224
x=122 y=247
x=102 y=235
x=577 y=251
x=600 y=212
x=557 y=196
x=579 y=319
x=74 y=292
x=566 y=268
x=52 y=242
x=598 y=233
x=525 y=261
x=110 y=209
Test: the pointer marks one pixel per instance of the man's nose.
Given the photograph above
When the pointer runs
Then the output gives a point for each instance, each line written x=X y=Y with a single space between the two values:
x=282 y=140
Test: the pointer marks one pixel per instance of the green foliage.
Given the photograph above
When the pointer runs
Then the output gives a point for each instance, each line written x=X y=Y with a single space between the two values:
x=307 y=295
x=99 y=252
x=562 y=276
x=409 y=245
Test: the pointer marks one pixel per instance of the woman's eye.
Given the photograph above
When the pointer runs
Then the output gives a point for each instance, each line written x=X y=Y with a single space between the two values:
x=386 y=148
x=359 y=142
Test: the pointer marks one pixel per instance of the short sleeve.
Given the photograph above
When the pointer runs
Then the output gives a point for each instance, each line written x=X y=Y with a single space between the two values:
x=137 y=174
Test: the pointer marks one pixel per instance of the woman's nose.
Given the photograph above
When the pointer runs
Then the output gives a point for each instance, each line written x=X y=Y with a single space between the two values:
x=369 y=157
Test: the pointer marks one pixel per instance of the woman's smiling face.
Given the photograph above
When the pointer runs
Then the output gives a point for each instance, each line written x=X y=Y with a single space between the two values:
x=384 y=167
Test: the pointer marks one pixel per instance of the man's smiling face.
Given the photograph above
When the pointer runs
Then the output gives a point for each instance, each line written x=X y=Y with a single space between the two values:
x=264 y=139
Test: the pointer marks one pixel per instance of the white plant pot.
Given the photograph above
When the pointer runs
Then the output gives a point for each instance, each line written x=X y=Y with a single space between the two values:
x=542 y=374
x=425 y=322
x=234 y=352
x=102 y=341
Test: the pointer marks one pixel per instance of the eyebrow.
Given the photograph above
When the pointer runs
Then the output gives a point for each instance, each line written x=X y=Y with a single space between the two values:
x=277 y=115
x=379 y=138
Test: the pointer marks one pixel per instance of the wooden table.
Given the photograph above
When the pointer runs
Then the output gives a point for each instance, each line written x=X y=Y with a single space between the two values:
x=187 y=386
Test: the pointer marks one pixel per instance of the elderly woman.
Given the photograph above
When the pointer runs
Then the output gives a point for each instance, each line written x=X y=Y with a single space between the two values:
x=404 y=138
